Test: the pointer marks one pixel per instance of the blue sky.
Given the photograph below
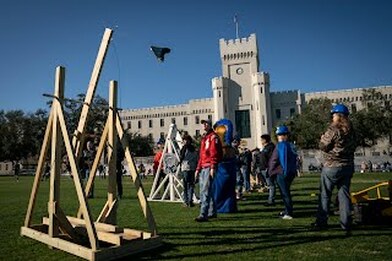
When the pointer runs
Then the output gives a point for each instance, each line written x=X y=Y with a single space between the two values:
x=311 y=45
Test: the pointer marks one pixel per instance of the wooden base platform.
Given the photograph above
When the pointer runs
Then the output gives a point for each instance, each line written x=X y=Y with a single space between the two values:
x=114 y=242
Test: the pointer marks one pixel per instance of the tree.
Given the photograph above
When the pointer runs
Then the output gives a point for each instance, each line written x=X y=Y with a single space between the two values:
x=374 y=120
x=307 y=127
x=141 y=146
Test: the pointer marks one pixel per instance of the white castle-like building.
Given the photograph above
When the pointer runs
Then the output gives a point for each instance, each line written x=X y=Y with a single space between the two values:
x=242 y=94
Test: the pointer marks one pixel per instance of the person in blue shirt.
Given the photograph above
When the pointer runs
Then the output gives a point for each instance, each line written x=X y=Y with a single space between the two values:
x=283 y=167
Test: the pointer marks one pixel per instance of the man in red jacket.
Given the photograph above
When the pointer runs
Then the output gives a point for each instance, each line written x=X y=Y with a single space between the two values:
x=209 y=156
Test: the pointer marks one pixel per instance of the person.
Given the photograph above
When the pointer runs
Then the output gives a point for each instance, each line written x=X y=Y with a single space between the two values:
x=46 y=174
x=16 y=170
x=265 y=155
x=188 y=164
x=256 y=179
x=119 y=169
x=224 y=185
x=209 y=156
x=246 y=164
x=283 y=167
x=142 y=170
x=338 y=145
x=239 y=179
x=157 y=158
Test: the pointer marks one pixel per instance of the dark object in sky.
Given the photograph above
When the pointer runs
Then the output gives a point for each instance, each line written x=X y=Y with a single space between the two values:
x=160 y=52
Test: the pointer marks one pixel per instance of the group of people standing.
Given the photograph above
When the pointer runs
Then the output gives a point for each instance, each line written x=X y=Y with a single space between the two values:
x=275 y=166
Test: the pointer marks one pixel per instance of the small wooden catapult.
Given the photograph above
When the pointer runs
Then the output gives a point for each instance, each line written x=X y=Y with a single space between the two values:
x=93 y=240
x=169 y=163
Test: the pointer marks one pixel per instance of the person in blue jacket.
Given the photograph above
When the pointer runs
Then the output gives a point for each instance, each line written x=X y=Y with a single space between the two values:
x=283 y=166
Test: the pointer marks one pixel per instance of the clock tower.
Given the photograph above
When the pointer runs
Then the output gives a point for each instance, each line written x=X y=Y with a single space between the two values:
x=242 y=93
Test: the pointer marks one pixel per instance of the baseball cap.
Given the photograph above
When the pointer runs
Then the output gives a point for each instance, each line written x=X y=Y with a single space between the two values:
x=208 y=121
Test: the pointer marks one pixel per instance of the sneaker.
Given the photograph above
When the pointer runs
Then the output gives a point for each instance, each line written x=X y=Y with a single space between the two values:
x=201 y=219
x=281 y=214
x=288 y=217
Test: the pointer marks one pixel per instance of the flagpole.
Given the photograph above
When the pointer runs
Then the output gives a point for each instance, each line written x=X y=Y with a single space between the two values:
x=236 y=27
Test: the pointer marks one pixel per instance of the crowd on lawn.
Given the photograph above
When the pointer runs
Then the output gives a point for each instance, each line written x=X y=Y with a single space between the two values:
x=227 y=172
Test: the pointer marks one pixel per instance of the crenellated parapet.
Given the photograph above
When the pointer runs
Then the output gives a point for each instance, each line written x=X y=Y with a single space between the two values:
x=238 y=49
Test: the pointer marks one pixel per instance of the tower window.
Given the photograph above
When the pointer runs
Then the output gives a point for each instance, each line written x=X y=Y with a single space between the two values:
x=292 y=111
x=278 y=113
x=162 y=122
x=150 y=123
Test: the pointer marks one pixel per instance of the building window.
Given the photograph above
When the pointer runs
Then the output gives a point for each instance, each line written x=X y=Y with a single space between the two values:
x=162 y=136
x=219 y=94
x=139 y=124
x=129 y=125
x=356 y=98
x=162 y=122
x=197 y=133
x=197 y=119
x=353 y=108
x=292 y=111
x=278 y=113
x=261 y=89
x=242 y=123
x=150 y=123
x=185 y=121
x=173 y=120
x=263 y=120
x=209 y=117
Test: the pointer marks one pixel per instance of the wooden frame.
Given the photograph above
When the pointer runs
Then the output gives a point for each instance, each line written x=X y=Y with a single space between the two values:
x=81 y=236
x=175 y=187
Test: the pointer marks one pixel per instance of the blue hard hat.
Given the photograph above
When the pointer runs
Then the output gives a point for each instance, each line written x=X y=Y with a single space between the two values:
x=281 y=130
x=340 y=108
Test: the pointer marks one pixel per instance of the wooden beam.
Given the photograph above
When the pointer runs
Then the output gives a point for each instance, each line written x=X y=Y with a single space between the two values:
x=112 y=149
x=58 y=243
x=136 y=179
x=92 y=233
x=39 y=171
x=55 y=165
x=78 y=139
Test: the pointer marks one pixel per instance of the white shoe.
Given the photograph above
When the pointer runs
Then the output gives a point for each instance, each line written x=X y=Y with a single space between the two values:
x=287 y=217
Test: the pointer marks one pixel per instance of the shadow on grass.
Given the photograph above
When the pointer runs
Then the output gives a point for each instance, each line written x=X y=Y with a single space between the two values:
x=256 y=238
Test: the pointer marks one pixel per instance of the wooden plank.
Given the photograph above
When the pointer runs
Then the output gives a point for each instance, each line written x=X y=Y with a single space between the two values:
x=92 y=233
x=66 y=225
x=99 y=226
x=59 y=243
x=112 y=149
x=136 y=179
x=103 y=235
x=55 y=165
x=38 y=173
x=102 y=215
x=78 y=139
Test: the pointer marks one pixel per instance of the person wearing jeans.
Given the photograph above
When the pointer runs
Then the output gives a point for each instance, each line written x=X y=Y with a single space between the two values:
x=265 y=155
x=283 y=166
x=338 y=145
x=188 y=163
x=209 y=156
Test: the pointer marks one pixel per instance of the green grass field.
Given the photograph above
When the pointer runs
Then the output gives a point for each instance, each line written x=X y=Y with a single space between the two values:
x=254 y=233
